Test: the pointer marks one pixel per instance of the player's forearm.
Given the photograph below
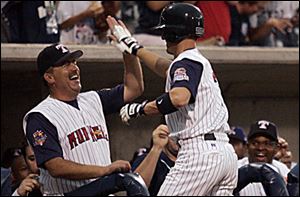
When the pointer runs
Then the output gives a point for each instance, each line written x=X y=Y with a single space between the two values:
x=157 y=64
x=179 y=97
x=133 y=78
x=147 y=168
x=151 y=108
x=60 y=168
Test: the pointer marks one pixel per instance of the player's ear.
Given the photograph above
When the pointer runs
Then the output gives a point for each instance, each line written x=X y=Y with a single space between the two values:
x=49 y=78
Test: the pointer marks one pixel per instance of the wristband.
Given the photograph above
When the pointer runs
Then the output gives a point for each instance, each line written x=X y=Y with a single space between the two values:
x=165 y=105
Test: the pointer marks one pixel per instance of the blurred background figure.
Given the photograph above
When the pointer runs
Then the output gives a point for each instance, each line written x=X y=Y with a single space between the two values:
x=238 y=140
x=130 y=14
x=277 y=25
x=284 y=154
x=240 y=25
x=217 y=22
x=149 y=14
x=29 y=21
x=83 y=22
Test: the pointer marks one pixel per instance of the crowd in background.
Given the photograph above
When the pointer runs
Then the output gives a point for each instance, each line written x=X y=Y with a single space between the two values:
x=227 y=23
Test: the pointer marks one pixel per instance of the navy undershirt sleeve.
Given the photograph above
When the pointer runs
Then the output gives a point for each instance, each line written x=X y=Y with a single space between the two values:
x=43 y=137
x=112 y=99
x=187 y=73
x=139 y=159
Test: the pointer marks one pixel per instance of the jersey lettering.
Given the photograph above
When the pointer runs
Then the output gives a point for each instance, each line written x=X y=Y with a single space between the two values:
x=81 y=135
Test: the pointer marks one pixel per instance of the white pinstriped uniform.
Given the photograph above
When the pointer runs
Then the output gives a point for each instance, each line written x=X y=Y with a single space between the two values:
x=256 y=189
x=202 y=167
x=90 y=147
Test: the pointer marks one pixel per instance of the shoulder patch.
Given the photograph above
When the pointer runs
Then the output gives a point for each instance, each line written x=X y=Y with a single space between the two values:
x=180 y=75
x=39 y=138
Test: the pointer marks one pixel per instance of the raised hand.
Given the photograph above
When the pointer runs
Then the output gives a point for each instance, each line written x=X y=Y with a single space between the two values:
x=121 y=37
x=132 y=110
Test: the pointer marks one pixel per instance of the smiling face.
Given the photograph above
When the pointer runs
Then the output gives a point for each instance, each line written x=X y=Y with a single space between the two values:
x=64 y=81
x=261 y=149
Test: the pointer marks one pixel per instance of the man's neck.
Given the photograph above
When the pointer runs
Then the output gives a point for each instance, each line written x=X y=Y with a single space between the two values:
x=63 y=97
x=185 y=45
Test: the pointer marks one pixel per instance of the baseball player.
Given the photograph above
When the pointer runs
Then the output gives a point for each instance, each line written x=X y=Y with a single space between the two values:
x=67 y=130
x=195 y=112
x=262 y=146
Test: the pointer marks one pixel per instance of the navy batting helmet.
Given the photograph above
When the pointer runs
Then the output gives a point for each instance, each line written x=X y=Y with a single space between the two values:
x=179 y=21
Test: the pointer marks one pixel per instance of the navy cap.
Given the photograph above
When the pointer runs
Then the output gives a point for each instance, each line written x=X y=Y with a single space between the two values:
x=55 y=55
x=263 y=128
x=238 y=134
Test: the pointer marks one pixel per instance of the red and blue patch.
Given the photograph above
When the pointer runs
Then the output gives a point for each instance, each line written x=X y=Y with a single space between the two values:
x=39 y=138
x=180 y=75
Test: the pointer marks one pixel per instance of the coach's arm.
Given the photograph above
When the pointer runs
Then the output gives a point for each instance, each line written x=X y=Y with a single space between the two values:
x=133 y=78
x=61 y=168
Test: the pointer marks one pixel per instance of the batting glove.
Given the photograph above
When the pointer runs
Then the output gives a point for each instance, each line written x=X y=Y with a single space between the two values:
x=132 y=110
x=126 y=43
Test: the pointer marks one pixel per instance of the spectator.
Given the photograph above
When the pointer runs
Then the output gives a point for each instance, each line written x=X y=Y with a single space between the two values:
x=130 y=14
x=149 y=13
x=272 y=22
x=217 y=21
x=154 y=165
x=31 y=21
x=240 y=25
x=262 y=146
x=238 y=140
x=82 y=22
x=5 y=35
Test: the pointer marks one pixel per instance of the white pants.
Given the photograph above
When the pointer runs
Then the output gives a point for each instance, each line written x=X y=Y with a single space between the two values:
x=203 y=168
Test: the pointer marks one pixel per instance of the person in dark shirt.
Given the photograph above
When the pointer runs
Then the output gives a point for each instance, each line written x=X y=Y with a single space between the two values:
x=155 y=163
x=32 y=21
x=240 y=25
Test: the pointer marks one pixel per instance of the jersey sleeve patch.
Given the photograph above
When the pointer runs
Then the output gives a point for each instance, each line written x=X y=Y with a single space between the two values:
x=180 y=75
x=39 y=138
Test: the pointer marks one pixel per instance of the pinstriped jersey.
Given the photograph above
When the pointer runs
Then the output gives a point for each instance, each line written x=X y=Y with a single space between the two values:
x=82 y=135
x=208 y=112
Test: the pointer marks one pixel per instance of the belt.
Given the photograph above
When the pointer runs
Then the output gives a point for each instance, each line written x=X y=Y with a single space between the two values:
x=209 y=136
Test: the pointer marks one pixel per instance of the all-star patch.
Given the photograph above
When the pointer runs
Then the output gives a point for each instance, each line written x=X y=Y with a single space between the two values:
x=180 y=75
x=39 y=138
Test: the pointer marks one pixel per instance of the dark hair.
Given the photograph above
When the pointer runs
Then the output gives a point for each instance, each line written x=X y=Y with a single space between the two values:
x=9 y=155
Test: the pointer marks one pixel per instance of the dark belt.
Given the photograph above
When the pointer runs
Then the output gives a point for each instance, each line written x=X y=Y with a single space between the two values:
x=209 y=136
